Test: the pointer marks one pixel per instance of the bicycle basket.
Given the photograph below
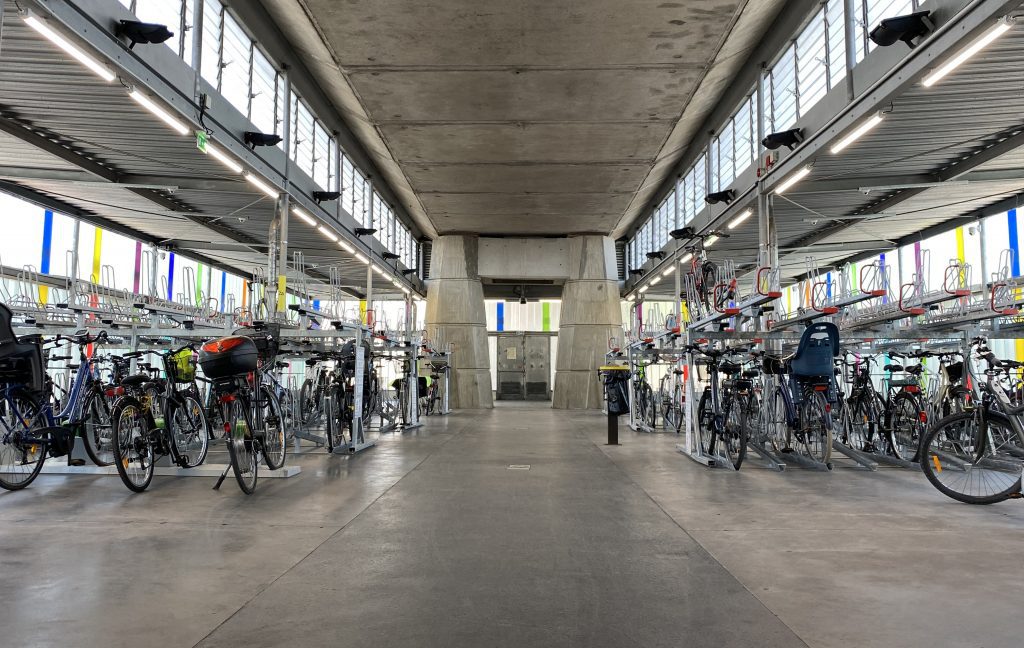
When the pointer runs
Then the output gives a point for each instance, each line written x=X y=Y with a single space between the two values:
x=181 y=366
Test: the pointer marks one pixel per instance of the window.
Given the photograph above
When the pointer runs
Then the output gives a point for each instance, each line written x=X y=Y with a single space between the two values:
x=323 y=157
x=781 y=92
x=213 y=20
x=871 y=12
x=835 y=32
x=176 y=14
x=264 y=111
x=302 y=135
x=811 y=63
x=236 y=65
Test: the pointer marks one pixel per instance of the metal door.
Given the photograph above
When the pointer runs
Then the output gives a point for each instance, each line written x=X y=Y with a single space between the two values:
x=524 y=367
x=511 y=366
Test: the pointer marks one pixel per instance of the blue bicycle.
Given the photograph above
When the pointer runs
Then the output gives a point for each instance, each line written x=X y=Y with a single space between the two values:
x=30 y=429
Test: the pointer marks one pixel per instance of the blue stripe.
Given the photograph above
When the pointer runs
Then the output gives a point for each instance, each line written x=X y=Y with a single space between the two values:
x=501 y=316
x=44 y=264
x=223 y=290
x=828 y=285
x=881 y=259
x=1011 y=222
x=170 y=277
x=316 y=304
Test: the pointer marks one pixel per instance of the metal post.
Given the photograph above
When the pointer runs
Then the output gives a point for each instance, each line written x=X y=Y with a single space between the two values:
x=369 y=263
x=73 y=272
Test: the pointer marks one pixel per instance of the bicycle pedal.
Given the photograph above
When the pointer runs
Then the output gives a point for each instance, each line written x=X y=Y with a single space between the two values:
x=1017 y=495
x=76 y=462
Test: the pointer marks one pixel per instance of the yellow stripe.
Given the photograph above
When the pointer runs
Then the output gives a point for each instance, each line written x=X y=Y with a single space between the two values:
x=362 y=311
x=960 y=244
x=97 y=246
x=1019 y=350
x=281 y=286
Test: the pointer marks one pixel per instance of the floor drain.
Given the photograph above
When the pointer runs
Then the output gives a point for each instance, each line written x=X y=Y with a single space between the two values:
x=519 y=466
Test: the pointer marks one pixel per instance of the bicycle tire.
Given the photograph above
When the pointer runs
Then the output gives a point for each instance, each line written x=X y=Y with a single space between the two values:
x=335 y=431
x=97 y=421
x=274 y=443
x=705 y=428
x=816 y=428
x=905 y=426
x=305 y=402
x=11 y=445
x=934 y=458
x=735 y=433
x=193 y=443
x=132 y=444
x=241 y=454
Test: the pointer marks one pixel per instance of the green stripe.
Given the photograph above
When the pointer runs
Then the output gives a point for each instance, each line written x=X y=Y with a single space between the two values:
x=546 y=321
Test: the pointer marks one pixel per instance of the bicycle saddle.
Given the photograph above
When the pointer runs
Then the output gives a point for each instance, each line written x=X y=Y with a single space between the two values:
x=730 y=368
x=135 y=381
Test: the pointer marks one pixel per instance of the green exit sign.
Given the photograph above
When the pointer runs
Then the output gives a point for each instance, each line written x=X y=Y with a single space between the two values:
x=201 y=139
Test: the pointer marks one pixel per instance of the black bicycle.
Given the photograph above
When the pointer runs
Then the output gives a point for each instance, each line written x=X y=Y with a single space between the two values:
x=182 y=433
x=250 y=411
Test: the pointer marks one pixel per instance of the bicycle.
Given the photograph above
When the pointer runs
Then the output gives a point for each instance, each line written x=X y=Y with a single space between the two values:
x=30 y=430
x=863 y=411
x=313 y=393
x=643 y=396
x=251 y=413
x=341 y=411
x=974 y=456
x=139 y=440
x=723 y=407
x=905 y=415
x=796 y=412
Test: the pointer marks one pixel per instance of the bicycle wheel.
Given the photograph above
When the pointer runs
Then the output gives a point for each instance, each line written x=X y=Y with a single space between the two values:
x=960 y=460
x=733 y=439
x=189 y=431
x=241 y=452
x=275 y=448
x=133 y=450
x=22 y=453
x=335 y=422
x=906 y=424
x=776 y=431
x=307 y=405
x=98 y=430
x=705 y=426
x=815 y=434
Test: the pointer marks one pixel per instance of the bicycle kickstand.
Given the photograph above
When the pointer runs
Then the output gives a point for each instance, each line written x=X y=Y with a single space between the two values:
x=223 y=475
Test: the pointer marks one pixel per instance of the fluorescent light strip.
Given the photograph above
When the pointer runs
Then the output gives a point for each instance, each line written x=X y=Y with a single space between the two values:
x=381 y=271
x=345 y=246
x=857 y=134
x=328 y=233
x=743 y=215
x=95 y=66
x=686 y=258
x=304 y=216
x=796 y=177
x=161 y=114
x=655 y=281
x=668 y=272
x=1001 y=28
x=711 y=240
x=361 y=258
x=644 y=289
x=262 y=186
x=219 y=155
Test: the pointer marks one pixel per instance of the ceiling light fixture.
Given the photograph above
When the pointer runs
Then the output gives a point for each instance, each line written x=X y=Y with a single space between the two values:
x=794 y=178
x=857 y=133
x=360 y=258
x=711 y=240
x=981 y=43
x=655 y=281
x=95 y=66
x=742 y=216
x=160 y=113
x=328 y=233
x=345 y=246
x=304 y=216
x=262 y=186
x=686 y=258
x=219 y=155
x=643 y=290
x=668 y=272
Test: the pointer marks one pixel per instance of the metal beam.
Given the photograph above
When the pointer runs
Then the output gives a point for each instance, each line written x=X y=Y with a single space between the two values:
x=52 y=145
x=983 y=156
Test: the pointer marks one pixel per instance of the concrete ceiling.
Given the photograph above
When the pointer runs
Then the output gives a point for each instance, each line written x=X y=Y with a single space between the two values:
x=538 y=116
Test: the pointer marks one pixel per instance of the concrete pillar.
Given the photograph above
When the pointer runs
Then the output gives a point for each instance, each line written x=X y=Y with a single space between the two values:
x=455 y=315
x=591 y=313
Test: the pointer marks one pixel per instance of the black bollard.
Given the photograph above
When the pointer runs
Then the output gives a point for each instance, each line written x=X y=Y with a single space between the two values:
x=613 y=429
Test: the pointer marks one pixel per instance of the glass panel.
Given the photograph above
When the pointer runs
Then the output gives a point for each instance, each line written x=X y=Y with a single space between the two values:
x=237 y=56
x=812 y=82
x=783 y=96
x=264 y=93
x=212 y=16
x=836 y=33
x=744 y=137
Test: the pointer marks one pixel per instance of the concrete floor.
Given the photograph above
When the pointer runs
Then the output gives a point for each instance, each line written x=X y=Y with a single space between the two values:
x=430 y=540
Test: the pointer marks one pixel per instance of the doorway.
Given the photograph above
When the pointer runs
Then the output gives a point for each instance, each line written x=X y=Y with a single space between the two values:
x=524 y=366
